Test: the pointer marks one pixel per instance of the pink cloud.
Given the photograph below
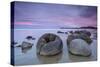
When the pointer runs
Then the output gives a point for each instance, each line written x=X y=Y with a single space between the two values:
x=77 y=21
x=61 y=20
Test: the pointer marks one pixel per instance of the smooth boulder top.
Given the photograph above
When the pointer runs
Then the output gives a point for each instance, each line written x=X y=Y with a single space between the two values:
x=79 y=47
x=49 y=44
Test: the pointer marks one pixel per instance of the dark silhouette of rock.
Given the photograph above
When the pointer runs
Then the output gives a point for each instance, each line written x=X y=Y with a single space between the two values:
x=71 y=32
x=60 y=32
x=66 y=32
x=49 y=44
x=77 y=32
x=88 y=27
x=30 y=37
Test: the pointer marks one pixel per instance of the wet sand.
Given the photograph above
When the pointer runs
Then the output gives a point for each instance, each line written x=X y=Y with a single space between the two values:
x=29 y=56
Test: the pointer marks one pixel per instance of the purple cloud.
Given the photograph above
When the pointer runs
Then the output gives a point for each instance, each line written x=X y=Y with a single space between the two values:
x=54 y=15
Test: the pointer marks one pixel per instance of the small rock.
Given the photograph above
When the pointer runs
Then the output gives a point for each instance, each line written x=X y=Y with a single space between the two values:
x=71 y=32
x=30 y=38
x=26 y=45
x=60 y=32
x=66 y=32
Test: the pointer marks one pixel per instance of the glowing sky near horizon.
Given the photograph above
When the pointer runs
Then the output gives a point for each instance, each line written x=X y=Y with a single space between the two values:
x=54 y=15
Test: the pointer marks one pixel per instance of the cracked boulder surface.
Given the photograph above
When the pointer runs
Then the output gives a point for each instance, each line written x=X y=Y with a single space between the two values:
x=49 y=44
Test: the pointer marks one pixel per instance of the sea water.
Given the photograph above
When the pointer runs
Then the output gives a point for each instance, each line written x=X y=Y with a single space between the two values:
x=30 y=56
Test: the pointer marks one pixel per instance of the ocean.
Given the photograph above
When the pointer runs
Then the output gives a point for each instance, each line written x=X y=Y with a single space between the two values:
x=30 y=57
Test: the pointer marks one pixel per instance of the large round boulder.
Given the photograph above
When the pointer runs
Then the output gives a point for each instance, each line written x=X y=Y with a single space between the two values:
x=78 y=43
x=49 y=44
x=79 y=47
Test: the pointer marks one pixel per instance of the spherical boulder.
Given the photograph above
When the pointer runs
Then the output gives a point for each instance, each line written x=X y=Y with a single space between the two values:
x=79 y=43
x=79 y=47
x=49 y=44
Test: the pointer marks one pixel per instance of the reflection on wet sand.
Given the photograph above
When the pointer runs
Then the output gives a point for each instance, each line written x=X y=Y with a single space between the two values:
x=49 y=59
x=92 y=57
x=75 y=58
x=29 y=55
x=25 y=50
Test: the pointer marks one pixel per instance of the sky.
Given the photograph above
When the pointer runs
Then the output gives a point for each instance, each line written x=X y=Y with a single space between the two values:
x=44 y=15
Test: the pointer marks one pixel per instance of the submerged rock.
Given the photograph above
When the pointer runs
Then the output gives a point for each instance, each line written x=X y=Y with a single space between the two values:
x=60 y=32
x=79 y=47
x=71 y=32
x=30 y=38
x=49 y=44
x=66 y=32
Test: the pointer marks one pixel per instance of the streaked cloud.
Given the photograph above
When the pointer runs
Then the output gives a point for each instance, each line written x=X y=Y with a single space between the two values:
x=54 y=15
